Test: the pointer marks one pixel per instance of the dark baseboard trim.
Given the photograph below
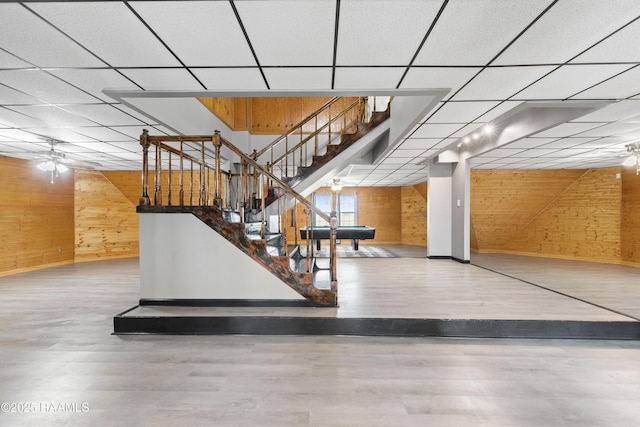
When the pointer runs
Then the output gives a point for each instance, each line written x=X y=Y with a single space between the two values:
x=438 y=257
x=458 y=328
x=225 y=302
x=461 y=261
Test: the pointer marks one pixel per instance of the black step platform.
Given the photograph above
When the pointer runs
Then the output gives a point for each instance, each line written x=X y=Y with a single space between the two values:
x=130 y=322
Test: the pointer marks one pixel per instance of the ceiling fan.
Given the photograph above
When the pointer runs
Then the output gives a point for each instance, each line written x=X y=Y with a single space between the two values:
x=56 y=162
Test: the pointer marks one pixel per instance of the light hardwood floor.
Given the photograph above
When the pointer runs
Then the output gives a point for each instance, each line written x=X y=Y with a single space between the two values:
x=56 y=347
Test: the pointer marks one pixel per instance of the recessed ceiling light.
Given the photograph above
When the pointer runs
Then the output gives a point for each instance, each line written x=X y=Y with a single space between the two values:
x=466 y=140
x=488 y=129
x=476 y=135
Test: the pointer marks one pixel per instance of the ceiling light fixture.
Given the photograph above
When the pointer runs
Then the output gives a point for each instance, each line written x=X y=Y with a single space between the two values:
x=337 y=185
x=634 y=158
x=488 y=129
x=53 y=167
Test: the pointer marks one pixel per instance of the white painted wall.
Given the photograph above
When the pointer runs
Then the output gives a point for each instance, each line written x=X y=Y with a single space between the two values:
x=439 y=219
x=461 y=217
x=182 y=258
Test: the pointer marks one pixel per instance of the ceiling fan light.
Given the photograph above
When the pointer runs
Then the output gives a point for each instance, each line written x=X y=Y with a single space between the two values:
x=630 y=161
x=46 y=166
x=61 y=168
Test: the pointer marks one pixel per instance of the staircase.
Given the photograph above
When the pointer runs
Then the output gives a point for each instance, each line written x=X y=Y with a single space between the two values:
x=233 y=204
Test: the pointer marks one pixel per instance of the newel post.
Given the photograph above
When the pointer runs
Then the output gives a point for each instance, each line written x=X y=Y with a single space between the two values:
x=144 y=141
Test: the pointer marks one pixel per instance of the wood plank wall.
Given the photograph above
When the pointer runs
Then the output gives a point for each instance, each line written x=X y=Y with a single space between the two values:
x=106 y=222
x=630 y=217
x=270 y=115
x=36 y=217
x=414 y=215
x=559 y=213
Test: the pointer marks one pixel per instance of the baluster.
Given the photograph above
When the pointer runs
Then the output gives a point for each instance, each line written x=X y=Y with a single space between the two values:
x=191 y=184
x=157 y=197
x=315 y=150
x=295 y=220
x=262 y=207
x=169 y=182
x=300 y=147
x=181 y=194
x=286 y=156
x=203 y=193
x=218 y=178
x=144 y=141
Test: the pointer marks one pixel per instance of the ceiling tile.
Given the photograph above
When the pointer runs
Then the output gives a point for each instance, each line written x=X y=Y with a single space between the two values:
x=472 y=32
x=368 y=78
x=162 y=79
x=567 y=129
x=570 y=27
x=105 y=115
x=620 y=47
x=32 y=39
x=569 y=80
x=419 y=143
x=612 y=129
x=17 y=120
x=530 y=142
x=619 y=87
x=501 y=83
x=288 y=32
x=101 y=133
x=200 y=33
x=95 y=81
x=13 y=97
x=61 y=134
x=567 y=142
x=53 y=116
x=617 y=111
x=438 y=78
x=568 y=152
x=461 y=112
x=298 y=78
x=20 y=135
x=44 y=86
x=105 y=28
x=435 y=130
x=535 y=152
x=10 y=61
x=384 y=32
x=242 y=79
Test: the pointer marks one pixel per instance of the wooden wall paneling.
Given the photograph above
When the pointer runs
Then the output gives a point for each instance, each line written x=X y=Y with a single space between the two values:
x=240 y=114
x=106 y=222
x=579 y=221
x=414 y=215
x=582 y=223
x=630 y=217
x=36 y=217
x=503 y=200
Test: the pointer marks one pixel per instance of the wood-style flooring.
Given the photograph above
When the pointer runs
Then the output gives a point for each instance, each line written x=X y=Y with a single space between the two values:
x=56 y=347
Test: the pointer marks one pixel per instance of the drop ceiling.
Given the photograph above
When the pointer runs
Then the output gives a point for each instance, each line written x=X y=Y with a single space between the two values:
x=58 y=61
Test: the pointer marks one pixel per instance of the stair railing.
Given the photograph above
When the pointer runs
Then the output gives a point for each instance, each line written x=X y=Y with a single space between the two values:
x=237 y=194
x=303 y=141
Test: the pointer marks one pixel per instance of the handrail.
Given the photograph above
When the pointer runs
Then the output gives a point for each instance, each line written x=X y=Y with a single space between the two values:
x=316 y=132
x=303 y=122
x=277 y=180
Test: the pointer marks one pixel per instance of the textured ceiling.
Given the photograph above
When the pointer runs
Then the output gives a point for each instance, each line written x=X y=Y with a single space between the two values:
x=56 y=58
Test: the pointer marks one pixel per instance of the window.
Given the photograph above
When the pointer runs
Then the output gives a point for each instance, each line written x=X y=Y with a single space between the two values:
x=347 y=208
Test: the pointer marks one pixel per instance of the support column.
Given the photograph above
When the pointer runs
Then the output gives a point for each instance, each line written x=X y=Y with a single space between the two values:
x=439 y=219
x=461 y=218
